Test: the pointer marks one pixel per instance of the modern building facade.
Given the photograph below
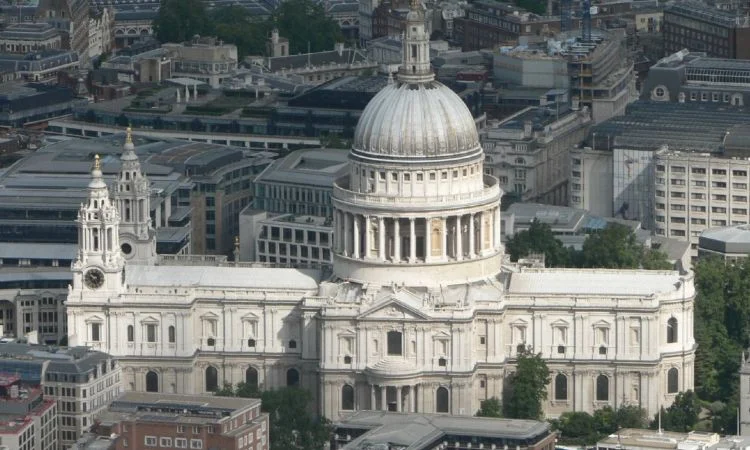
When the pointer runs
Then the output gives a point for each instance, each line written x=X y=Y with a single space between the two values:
x=421 y=311
x=699 y=27
x=27 y=419
x=730 y=243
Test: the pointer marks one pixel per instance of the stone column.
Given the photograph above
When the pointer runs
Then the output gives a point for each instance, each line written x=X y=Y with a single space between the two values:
x=372 y=397
x=398 y=399
x=381 y=238
x=368 y=237
x=383 y=399
x=459 y=239
x=355 y=238
x=444 y=241
x=412 y=398
x=396 y=240
x=412 y=241
x=428 y=239
x=471 y=236
x=347 y=233
x=482 y=232
x=496 y=228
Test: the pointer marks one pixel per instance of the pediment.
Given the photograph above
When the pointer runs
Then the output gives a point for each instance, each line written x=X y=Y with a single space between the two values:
x=347 y=333
x=210 y=316
x=150 y=319
x=601 y=324
x=397 y=307
x=94 y=318
x=519 y=323
x=441 y=335
x=250 y=317
x=560 y=323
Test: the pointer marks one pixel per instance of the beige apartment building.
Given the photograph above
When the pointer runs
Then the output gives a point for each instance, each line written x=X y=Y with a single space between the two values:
x=695 y=191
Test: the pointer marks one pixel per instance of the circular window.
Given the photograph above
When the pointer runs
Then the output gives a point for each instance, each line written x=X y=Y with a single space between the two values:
x=126 y=248
x=660 y=92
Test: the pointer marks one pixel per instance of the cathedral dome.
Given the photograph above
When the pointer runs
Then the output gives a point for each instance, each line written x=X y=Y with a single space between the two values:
x=407 y=120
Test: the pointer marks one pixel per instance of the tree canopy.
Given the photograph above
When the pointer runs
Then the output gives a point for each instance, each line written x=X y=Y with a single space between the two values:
x=490 y=407
x=682 y=415
x=582 y=428
x=614 y=247
x=291 y=426
x=303 y=22
x=526 y=388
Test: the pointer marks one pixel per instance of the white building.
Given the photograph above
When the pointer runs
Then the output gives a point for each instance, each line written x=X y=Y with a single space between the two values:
x=101 y=32
x=422 y=311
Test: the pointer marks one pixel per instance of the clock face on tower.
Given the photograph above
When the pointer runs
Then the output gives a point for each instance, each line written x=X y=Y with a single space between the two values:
x=94 y=278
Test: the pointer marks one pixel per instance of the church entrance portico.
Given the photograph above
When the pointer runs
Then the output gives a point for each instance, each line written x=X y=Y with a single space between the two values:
x=393 y=398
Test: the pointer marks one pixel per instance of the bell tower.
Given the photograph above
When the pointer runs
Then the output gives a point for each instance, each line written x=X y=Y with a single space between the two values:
x=99 y=264
x=132 y=199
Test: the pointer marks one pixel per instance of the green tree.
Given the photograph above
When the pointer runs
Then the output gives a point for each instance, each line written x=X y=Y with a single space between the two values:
x=304 y=23
x=539 y=238
x=605 y=420
x=655 y=260
x=682 y=415
x=180 y=20
x=527 y=387
x=613 y=247
x=576 y=428
x=235 y=24
x=490 y=407
x=226 y=391
x=291 y=426
x=631 y=416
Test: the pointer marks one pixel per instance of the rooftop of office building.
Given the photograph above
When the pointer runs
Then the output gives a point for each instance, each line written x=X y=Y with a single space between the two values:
x=648 y=125
x=309 y=167
x=62 y=360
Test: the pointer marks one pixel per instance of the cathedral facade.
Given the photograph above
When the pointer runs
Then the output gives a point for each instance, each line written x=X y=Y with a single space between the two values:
x=423 y=311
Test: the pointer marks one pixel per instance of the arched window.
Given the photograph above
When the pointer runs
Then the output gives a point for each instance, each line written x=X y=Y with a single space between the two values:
x=561 y=387
x=673 y=381
x=131 y=333
x=292 y=377
x=171 y=334
x=394 y=343
x=671 y=330
x=152 y=381
x=347 y=398
x=212 y=379
x=441 y=400
x=251 y=378
x=602 y=388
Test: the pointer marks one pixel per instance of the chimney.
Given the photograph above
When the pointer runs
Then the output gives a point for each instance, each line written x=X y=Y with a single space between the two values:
x=681 y=97
x=527 y=129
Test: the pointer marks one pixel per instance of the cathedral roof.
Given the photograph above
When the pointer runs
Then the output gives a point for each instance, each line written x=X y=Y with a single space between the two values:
x=222 y=277
x=595 y=282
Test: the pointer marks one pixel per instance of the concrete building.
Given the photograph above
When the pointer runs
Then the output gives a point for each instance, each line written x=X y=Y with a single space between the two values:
x=26 y=38
x=286 y=239
x=204 y=59
x=145 y=420
x=41 y=66
x=71 y=17
x=730 y=243
x=101 y=32
x=24 y=103
x=699 y=27
x=648 y=20
x=27 y=419
x=529 y=152
x=696 y=191
x=82 y=382
x=639 y=439
x=421 y=311
x=372 y=429
x=613 y=174
x=692 y=77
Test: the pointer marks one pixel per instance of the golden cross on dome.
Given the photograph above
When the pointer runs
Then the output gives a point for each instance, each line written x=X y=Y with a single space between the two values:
x=97 y=162
x=128 y=135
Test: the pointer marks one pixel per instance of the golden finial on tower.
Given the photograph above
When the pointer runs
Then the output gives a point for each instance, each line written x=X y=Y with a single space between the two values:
x=97 y=162
x=128 y=135
x=236 y=241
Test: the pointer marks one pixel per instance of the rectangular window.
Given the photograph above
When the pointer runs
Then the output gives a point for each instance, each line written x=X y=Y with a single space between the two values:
x=96 y=329
x=165 y=442
x=151 y=333
x=181 y=443
x=150 y=441
x=196 y=443
x=739 y=173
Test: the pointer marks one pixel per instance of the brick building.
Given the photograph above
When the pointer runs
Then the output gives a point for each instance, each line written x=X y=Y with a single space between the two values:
x=702 y=28
x=155 y=420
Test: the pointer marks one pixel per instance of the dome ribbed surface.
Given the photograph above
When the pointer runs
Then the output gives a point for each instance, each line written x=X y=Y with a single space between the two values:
x=421 y=119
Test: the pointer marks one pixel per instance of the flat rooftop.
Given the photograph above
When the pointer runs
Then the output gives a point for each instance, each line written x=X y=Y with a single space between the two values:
x=734 y=239
x=572 y=282
x=414 y=431
x=309 y=167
